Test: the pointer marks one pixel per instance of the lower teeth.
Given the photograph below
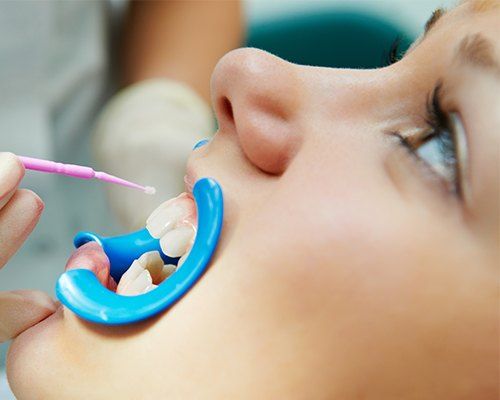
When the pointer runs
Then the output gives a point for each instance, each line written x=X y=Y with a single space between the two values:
x=146 y=273
x=174 y=224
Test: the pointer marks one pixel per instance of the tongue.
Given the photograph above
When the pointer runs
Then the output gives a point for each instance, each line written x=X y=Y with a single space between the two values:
x=92 y=257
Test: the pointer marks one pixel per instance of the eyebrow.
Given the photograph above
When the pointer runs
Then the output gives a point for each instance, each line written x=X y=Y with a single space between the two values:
x=436 y=15
x=477 y=51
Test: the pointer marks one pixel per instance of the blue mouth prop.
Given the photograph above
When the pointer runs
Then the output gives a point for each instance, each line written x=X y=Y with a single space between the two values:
x=82 y=293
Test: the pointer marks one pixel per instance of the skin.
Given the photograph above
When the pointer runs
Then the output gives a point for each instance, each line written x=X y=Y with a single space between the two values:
x=20 y=210
x=345 y=270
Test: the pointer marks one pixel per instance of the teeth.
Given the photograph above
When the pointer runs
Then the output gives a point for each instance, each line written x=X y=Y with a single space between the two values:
x=174 y=223
x=150 y=287
x=129 y=276
x=141 y=284
x=169 y=214
x=167 y=270
x=176 y=242
x=154 y=264
x=183 y=258
x=137 y=280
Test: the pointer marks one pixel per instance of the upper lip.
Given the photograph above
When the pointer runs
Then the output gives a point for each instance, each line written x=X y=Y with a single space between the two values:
x=190 y=178
x=187 y=184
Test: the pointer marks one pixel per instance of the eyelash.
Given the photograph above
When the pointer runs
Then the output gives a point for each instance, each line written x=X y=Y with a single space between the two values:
x=438 y=121
x=394 y=54
x=440 y=129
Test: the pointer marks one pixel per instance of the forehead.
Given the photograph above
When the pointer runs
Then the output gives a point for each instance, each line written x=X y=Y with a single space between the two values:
x=481 y=5
x=481 y=19
x=469 y=16
x=467 y=9
x=473 y=23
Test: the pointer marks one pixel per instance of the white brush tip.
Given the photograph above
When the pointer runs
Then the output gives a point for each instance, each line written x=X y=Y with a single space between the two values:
x=149 y=190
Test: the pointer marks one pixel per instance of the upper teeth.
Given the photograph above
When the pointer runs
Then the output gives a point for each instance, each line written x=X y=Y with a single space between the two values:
x=176 y=242
x=173 y=222
x=170 y=214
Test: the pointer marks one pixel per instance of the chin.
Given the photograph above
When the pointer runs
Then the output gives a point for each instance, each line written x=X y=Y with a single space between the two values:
x=31 y=371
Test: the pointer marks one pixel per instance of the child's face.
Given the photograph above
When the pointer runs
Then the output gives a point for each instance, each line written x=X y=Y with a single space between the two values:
x=348 y=268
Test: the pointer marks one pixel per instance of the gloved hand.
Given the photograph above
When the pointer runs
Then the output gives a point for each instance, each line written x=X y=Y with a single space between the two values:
x=145 y=134
x=20 y=210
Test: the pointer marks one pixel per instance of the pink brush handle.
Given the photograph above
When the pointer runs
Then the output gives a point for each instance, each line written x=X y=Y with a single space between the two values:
x=77 y=171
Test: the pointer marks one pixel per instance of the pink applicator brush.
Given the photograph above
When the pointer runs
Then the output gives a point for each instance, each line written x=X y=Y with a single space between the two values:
x=78 y=171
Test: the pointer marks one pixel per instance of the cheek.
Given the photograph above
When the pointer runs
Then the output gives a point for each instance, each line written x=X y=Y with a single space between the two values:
x=384 y=289
x=353 y=243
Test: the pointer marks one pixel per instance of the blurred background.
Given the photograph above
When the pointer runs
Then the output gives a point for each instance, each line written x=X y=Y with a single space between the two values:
x=335 y=33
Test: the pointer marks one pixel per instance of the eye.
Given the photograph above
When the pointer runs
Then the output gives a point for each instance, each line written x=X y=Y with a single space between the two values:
x=443 y=148
x=394 y=53
x=440 y=153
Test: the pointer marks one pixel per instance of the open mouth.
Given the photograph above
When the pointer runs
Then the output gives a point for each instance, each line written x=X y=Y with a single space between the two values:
x=154 y=267
x=174 y=224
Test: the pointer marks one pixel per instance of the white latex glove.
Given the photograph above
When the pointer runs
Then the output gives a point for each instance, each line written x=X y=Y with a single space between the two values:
x=145 y=134
x=19 y=212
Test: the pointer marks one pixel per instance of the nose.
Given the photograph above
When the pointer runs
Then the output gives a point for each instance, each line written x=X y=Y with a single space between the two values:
x=253 y=97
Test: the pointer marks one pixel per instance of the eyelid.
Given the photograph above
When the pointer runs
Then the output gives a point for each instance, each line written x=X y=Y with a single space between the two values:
x=462 y=154
x=439 y=117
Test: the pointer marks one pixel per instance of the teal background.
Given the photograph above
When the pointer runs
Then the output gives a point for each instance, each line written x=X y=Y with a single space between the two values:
x=337 y=38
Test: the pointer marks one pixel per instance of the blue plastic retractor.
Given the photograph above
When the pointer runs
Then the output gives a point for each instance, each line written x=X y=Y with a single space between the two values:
x=82 y=293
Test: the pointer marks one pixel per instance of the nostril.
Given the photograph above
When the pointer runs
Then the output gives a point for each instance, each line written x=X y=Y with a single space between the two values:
x=227 y=108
